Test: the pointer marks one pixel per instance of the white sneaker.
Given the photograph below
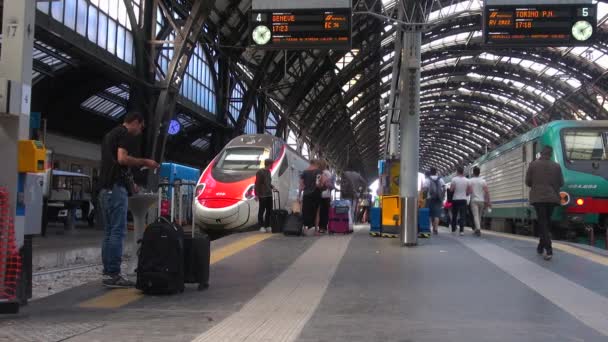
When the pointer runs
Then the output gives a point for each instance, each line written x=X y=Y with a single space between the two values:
x=262 y=230
x=268 y=229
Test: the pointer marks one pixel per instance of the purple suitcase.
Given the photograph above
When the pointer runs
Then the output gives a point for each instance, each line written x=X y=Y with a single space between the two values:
x=338 y=220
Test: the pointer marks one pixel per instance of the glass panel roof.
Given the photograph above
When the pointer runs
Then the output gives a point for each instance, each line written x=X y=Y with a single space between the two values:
x=201 y=143
x=525 y=106
x=111 y=102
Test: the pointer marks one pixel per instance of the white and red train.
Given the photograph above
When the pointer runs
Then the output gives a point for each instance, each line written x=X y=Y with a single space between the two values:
x=225 y=198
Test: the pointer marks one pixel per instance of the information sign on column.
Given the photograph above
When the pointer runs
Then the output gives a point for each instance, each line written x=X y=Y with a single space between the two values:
x=302 y=29
x=540 y=25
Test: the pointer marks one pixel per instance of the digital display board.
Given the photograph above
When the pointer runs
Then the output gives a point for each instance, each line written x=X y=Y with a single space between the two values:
x=540 y=25
x=302 y=29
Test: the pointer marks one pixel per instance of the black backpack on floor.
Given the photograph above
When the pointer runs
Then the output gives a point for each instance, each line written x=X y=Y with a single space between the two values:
x=160 y=267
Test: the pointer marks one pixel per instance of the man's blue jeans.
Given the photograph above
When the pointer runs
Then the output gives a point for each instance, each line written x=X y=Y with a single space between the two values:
x=114 y=206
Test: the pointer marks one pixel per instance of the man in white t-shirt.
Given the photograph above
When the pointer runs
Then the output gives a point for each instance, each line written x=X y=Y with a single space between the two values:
x=480 y=198
x=459 y=201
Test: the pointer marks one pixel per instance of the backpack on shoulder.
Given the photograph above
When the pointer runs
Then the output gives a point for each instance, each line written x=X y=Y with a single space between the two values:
x=435 y=191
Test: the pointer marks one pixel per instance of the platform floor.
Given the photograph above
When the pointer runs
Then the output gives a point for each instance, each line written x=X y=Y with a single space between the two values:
x=348 y=288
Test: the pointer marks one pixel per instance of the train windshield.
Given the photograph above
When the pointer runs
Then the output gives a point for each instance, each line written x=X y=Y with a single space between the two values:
x=241 y=158
x=589 y=145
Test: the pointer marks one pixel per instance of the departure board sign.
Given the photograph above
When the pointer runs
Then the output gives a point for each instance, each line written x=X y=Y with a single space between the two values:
x=302 y=29
x=528 y=25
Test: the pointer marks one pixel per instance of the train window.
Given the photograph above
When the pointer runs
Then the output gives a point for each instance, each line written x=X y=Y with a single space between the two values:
x=242 y=159
x=276 y=150
x=523 y=150
x=284 y=166
x=586 y=145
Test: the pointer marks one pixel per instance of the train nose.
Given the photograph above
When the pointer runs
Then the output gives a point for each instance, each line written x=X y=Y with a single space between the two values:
x=213 y=216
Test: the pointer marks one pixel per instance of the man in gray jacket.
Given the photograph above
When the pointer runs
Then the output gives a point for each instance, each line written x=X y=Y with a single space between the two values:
x=545 y=179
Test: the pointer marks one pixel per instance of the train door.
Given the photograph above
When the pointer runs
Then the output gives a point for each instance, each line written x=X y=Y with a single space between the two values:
x=528 y=157
x=284 y=180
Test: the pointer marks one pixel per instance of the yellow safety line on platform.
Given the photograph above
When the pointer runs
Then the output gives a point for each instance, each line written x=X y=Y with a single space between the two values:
x=115 y=299
x=600 y=259
x=236 y=247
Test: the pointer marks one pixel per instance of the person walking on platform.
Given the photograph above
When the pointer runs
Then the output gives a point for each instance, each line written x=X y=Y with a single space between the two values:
x=544 y=177
x=328 y=184
x=434 y=187
x=115 y=183
x=263 y=194
x=310 y=194
x=480 y=198
x=447 y=206
x=459 y=185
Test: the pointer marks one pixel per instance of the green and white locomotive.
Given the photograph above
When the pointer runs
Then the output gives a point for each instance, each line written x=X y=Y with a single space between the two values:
x=580 y=148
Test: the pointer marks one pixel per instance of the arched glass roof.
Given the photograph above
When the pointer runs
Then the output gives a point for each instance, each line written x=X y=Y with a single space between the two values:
x=487 y=96
x=334 y=102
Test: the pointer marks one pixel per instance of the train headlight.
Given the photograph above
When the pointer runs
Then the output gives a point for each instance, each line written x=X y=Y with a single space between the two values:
x=564 y=198
x=580 y=202
x=199 y=189
x=250 y=193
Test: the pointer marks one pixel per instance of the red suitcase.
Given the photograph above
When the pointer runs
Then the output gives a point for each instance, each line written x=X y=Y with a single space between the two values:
x=339 y=220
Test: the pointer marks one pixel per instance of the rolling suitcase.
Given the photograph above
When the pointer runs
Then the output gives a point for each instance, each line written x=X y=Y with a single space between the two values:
x=197 y=245
x=294 y=223
x=375 y=221
x=197 y=257
x=278 y=216
x=339 y=221
x=424 y=220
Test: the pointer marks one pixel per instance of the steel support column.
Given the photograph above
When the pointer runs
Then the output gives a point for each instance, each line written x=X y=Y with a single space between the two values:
x=15 y=67
x=261 y=116
x=18 y=25
x=222 y=95
x=141 y=95
x=410 y=134
x=391 y=131
x=252 y=93
x=185 y=42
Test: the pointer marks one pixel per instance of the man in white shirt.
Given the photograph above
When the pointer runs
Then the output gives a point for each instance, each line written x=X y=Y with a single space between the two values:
x=434 y=186
x=459 y=202
x=480 y=198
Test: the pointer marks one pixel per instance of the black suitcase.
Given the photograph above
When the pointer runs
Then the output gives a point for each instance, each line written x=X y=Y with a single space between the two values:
x=160 y=259
x=293 y=225
x=197 y=256
x=278 y=216
x=197 y=245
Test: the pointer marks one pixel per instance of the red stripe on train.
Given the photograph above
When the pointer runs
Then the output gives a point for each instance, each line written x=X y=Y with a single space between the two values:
x=588 y=205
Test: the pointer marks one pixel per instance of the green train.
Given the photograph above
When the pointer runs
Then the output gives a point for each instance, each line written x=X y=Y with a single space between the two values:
x=580 y=148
